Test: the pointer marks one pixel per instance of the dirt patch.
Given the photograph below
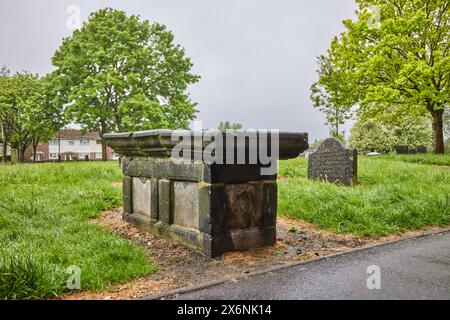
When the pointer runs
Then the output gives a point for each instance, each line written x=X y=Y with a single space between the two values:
x=181 y=267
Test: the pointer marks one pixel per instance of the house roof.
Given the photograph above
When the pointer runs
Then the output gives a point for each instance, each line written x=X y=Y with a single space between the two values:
x=76 y=134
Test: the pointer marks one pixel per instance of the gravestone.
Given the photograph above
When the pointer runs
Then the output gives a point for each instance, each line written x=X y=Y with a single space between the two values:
x=421 y=149
x=401 y=149
x=14 y=156
x=208 y=206
x=333 y=163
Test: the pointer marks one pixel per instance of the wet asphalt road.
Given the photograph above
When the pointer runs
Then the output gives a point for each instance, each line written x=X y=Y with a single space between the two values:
x=410 y=269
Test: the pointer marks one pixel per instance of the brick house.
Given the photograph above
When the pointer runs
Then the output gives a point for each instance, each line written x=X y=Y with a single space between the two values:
x=71 y=145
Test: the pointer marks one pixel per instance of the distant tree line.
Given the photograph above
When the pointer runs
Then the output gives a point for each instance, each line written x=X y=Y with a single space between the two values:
x=226 y=125
x=391 y=63
x=116 y=73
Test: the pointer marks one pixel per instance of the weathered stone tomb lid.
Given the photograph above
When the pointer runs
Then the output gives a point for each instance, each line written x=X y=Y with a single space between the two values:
x=159 y=143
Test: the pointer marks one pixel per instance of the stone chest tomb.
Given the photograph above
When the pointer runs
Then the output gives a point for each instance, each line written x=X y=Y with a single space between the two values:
x=211 y=206
x=333 y=163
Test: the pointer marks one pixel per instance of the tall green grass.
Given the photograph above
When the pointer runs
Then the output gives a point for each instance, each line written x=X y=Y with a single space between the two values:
x=44 y=229
x=391 y=196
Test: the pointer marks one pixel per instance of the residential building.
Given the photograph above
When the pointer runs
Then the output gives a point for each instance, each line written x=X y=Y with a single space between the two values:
x=71 y=144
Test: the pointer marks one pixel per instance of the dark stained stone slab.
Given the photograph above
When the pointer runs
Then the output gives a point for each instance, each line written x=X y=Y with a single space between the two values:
x=333 y=163
x=211 y=207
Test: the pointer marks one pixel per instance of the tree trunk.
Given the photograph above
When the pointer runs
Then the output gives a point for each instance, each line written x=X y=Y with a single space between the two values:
x=104 y=154
x=4 y=151
x=34 y=152
x=103 y=130
x=35 y=143
x=438 y=130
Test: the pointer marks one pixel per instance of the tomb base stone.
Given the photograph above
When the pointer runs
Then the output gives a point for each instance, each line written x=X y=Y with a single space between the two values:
x=213 y=208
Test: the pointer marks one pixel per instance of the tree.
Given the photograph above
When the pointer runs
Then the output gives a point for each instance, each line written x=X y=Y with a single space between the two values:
x=118 y=73
x=18 y=97
x=229 y=126
x=368 y=134
x=331 y=94
x=47 y=114
x=26 y=117
x=403 y=60
x=4 y=129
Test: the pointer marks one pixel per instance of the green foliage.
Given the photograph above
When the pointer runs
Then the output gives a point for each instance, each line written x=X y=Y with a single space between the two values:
x=26 y=114
x=316 y=143
x=402 y=62
x=44 y=229
x=402 y=196
x=118 y=73
x=331 y=94
x=229 y=126
x=367 y=134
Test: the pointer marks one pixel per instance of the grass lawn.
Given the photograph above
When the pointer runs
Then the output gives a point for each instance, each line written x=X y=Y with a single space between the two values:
x=434 y=159
x=45 y=211
x=394 y=193
x=44 y=228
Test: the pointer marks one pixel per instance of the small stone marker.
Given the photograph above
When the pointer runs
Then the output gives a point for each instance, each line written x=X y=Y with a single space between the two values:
x=421 y=149
x=401 y=149
x=334 y=163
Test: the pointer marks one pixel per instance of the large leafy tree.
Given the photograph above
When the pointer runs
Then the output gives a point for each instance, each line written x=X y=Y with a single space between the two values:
x=403 y=61
x=25 y=112
x=118 y=73
x=47 y=114
x=332 y=93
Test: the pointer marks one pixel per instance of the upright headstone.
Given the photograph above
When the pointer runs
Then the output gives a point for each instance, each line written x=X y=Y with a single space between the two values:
x=14 y=156
x=334 y=163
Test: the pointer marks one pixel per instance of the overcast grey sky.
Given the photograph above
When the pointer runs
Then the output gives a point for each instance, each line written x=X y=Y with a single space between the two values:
x=256 y=57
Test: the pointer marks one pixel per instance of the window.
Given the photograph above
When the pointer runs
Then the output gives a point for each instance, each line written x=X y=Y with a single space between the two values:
x=39 y=156
x=98 y=155
x=71 y=142
x=84 y=142
x=53 y=156
x=54 y=142
x=99 y=141
x=83 y=155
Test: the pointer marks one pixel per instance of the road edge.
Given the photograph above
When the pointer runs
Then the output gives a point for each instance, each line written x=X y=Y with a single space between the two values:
x=209 y=284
